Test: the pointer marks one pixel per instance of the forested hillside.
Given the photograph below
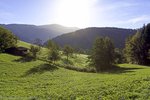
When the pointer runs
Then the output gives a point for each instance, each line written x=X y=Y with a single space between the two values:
x=84 y=38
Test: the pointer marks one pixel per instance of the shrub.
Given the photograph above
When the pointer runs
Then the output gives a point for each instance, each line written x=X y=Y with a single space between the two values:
x=34 y=50
x=70 y=67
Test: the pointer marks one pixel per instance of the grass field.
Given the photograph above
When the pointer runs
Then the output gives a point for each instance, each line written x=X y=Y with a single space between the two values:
x=37 y=80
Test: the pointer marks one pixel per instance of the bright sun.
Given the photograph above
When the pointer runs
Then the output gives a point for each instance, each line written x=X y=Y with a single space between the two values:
x=73 y=13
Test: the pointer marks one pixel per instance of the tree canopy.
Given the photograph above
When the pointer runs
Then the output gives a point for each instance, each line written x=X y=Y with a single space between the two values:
x=138 y=46
x=102 y=54
x=7 y=39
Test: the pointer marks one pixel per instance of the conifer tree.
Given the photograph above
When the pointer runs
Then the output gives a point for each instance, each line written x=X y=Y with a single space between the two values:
x=138 y=46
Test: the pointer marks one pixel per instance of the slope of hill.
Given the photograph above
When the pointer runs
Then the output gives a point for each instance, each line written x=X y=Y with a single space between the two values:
x=84 y=38
x=58 y=29
x=29 y=33
x=24 y=44
x=37 y=80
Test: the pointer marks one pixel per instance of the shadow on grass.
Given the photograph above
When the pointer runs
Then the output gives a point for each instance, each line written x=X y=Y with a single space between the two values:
x=24 y=59
x=41 y=69
x=111 y=70
x=119 y=70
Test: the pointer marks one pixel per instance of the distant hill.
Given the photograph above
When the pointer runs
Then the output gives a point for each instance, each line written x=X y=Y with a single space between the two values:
x=28 y=33
x=84 y=38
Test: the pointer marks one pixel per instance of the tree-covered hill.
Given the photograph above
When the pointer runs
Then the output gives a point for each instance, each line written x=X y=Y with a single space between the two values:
x=84 y=38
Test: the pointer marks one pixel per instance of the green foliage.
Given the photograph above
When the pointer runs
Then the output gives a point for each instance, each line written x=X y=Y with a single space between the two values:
x=75 y=68
x=102 y=54
x=67 y=50
x=84 y=38
x=131 y=51
x=53 y=51
x=51 y=45
x=34 y=50
x=7 y=39
x=137 y=47
x=53 y=55
x=119 y=56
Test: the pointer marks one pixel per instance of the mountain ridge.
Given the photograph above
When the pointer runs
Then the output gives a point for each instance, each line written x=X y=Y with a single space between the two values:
x=29 y=32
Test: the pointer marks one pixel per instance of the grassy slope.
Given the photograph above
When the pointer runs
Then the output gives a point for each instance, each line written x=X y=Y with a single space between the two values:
x=78 y=60
x=16 y=79
x=38 y=80
x=43 y=52
x=24 y=44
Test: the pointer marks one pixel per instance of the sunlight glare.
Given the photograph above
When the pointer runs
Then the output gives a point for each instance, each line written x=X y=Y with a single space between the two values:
x=73 y=13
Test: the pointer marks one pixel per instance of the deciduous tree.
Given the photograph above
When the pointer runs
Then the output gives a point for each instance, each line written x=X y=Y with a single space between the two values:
x=7 y=39
x=67 y=50
x=102 y=54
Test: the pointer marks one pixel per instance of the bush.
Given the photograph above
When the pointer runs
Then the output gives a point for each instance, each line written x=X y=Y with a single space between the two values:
x=7 y=39
x=70 y=67
x=34 y=50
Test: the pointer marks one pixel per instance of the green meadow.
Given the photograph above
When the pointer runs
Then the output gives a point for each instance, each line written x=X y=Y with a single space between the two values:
x=38 y=80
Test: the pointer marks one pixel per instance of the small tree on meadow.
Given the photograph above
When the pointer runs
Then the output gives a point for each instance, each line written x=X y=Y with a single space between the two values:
x=53 y=51
x=67 y=50
x=53 y=55
x=102 y=54
x=34 y=50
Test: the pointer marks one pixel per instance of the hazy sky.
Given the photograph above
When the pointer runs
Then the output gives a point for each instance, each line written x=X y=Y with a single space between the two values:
x=79 y=13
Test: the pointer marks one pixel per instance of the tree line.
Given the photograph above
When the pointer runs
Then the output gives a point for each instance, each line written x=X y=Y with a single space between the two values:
x=137 y=49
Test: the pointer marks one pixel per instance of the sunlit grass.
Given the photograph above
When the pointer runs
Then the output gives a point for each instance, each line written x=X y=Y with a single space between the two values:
x=24 y=44
x=39 y=80
x=60 y=83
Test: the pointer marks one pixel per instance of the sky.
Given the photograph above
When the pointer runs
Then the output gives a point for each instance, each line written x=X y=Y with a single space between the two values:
x=76 y=13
